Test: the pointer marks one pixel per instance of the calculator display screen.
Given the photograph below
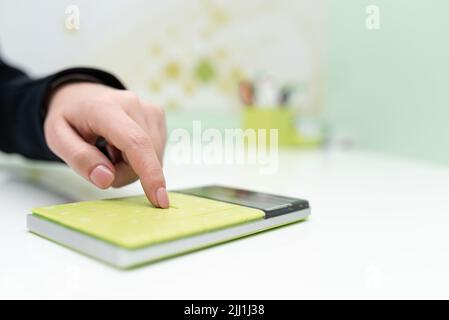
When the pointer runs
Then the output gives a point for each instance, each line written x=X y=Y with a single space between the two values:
x=273 y=205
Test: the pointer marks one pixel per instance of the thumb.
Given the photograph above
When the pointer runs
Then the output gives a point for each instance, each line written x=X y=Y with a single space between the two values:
x=86 y=159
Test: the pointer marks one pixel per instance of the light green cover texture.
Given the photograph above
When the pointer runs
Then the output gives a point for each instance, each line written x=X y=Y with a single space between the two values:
x=133 y=223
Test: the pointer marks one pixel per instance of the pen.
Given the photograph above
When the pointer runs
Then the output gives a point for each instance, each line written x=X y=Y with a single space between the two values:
x=246 y=91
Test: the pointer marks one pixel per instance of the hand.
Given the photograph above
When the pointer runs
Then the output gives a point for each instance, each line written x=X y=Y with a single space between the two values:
x=79 y=113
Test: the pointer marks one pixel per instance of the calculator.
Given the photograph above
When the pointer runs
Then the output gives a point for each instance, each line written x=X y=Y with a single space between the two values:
x=129 y=232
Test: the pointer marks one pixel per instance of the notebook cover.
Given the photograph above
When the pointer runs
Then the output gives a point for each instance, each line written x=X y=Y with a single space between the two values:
x=132 y=222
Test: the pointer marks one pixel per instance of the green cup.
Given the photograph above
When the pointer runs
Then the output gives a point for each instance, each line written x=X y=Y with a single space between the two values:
x=283 y=119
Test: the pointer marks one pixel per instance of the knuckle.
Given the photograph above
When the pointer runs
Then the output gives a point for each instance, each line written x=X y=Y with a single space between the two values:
x=138 y=139
x=155 y=177
x=155 y=173
x=154 y=110
x=159 y=112
x=79 y=156
x=130 y=98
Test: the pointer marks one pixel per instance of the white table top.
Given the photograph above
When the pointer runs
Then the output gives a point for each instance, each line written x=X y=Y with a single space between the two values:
x=379 y=229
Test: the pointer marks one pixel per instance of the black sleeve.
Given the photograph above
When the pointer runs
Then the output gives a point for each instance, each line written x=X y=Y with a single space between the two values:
x=23 y=104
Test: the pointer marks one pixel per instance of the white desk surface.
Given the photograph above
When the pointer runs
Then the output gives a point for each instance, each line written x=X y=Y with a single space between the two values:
x=379 y=229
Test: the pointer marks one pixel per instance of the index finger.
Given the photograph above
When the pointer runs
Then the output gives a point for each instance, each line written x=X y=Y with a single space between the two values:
x=125 y=134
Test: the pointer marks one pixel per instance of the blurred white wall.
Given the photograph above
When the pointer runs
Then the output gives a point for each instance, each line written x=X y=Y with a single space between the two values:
x=33 y=33
x=159 y=47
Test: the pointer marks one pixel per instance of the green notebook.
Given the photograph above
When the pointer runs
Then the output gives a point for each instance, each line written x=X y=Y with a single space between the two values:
x=129 y=231
x=132 y=222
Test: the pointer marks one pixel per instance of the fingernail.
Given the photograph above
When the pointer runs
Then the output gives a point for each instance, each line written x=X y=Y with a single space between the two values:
x=162 y=198
x=102 y=176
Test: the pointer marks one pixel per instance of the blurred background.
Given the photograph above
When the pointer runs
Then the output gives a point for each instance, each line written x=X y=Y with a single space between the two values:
x=314 y=69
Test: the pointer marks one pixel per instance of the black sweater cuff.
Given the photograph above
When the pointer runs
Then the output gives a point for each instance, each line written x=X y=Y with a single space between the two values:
x=28 y=113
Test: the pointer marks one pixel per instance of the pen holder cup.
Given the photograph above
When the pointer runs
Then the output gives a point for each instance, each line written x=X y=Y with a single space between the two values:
x=284 y=119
